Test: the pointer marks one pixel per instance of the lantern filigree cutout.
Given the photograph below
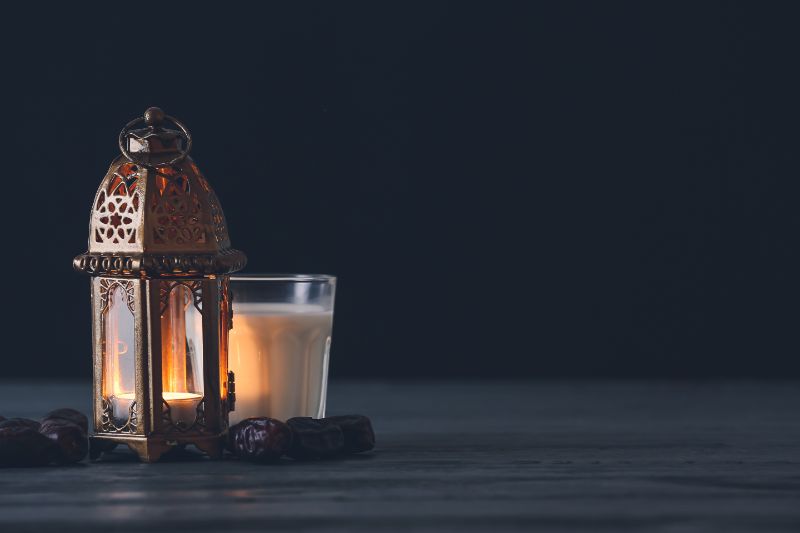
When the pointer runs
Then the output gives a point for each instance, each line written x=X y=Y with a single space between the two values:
x=160 y=256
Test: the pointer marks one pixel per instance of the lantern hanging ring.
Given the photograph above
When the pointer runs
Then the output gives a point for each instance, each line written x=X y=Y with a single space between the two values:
x=153 y=118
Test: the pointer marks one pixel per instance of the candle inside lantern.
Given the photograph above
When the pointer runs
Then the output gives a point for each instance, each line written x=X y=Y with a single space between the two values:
x=182 y=354
x=121 y=405
x=182 y=405
x=119 y=372
x=279 y=354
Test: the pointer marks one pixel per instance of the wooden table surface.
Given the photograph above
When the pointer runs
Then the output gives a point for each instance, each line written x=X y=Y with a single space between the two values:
x=459 y=456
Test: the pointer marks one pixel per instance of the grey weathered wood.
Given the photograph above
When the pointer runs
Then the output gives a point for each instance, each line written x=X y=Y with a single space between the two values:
x=460 y=456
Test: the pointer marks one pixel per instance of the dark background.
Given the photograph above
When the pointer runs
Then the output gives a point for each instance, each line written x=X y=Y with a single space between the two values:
x=504 y=189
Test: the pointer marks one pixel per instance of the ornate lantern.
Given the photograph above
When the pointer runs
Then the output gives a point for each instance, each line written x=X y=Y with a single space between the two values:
x=160 y=256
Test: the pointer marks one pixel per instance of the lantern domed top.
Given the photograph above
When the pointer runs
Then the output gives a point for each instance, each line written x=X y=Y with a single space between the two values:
x=154 y=213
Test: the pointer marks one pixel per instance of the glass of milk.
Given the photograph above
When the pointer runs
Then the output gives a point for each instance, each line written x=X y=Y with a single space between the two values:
x=280 y=344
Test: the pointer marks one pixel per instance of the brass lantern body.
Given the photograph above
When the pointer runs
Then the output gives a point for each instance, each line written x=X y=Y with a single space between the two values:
x=159 y=256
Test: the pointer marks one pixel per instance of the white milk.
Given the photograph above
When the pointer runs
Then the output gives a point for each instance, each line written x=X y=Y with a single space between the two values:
x=279 y=355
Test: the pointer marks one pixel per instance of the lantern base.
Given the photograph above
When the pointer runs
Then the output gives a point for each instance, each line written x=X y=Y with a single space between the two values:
x=150 y=449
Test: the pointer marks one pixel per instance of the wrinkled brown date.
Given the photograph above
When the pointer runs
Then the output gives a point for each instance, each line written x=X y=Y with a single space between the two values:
x=260 y=439
x=71 y=415
x=22 y=445
x=60 y=437
x=70 y=438
x=313 y=439
x=357 y=430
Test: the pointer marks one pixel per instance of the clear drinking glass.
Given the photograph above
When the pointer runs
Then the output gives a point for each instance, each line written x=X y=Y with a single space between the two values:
x=280 y=344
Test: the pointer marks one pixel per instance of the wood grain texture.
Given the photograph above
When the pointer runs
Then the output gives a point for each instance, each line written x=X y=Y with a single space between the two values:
x=459 y=456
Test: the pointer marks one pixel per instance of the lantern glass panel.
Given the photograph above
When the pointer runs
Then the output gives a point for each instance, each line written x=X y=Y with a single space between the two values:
x=182 y=350
x=119 y=343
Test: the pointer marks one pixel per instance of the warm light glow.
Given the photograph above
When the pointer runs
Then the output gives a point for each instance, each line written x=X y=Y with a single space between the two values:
x=169 y=396
x=118 y=330
x=173 y=325
x=182 y=344
x=112 y=344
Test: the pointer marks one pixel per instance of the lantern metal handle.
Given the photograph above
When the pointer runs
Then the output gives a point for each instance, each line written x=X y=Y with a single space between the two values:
x=153 y=117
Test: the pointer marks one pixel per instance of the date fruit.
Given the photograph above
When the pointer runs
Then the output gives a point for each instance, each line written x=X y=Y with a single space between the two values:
x=312 y=439
x=70 y=438
x=22 y=445
x=71 y=415
x=20 y=422
x=357 y=430
x=260 y=439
